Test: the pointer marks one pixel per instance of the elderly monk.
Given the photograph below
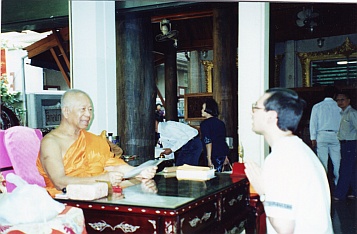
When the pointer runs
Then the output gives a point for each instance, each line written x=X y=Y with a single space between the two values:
x=71 y=155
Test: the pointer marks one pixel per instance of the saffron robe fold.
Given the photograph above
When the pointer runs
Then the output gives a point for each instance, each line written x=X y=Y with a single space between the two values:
x=87 y=156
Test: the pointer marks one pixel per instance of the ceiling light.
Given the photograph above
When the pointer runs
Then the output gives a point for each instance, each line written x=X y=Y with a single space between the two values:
x=345 y=62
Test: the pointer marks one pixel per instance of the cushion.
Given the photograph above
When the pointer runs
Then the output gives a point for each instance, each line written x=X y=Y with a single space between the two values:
x=22 y=145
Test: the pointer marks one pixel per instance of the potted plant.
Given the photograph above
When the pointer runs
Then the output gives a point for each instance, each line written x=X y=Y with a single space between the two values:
x=10 y=106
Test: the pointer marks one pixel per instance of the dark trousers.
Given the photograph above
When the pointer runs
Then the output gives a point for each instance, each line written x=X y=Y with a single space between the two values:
x=348 y=170
x=189 y=153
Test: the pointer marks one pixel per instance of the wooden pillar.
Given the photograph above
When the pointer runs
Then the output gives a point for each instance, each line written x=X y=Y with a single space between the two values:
x=171 y=82
x=225 y=75
x=195 y=73
x=136 y=90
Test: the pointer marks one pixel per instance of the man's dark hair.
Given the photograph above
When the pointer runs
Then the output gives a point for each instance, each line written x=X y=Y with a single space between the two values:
x=330 y=91
x=345 y=93
x=211 y=107
x=288 y=105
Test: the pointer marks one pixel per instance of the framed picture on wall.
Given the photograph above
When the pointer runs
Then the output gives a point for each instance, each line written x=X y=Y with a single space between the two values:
x=193 y=105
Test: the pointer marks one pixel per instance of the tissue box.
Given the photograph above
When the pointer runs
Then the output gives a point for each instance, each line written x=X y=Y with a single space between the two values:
x=87 y=191
x=187 y=172
x=238 y=169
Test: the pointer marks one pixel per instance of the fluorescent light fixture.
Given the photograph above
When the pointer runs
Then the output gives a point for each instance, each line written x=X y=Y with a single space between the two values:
x=345 y=62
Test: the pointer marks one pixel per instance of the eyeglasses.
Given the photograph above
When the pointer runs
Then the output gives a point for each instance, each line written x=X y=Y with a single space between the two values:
x=256 y=107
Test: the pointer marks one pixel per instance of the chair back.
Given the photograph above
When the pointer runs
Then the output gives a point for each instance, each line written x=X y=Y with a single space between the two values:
x=5 y=166
x=23 y=145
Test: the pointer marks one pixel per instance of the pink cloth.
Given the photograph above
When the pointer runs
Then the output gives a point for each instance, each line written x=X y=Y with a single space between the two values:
x=22 y=145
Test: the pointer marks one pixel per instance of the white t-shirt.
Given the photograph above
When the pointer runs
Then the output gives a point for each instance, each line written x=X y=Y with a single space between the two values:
x=296 y=187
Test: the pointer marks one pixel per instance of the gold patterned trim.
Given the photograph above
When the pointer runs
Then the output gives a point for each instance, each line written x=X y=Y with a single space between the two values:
x=208 y=67
x=347 y=49
x=277 y=64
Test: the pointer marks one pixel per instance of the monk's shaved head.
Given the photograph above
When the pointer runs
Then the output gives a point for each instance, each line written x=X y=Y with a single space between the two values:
x=68 y=99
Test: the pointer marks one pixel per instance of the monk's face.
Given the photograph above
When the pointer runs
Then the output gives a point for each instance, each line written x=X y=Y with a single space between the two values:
x=80 y=111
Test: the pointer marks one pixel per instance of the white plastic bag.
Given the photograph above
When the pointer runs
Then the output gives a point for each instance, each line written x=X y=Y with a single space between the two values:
x=28 y=203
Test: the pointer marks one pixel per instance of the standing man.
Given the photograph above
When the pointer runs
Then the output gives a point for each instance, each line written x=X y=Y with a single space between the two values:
x=348 y=139
x=292 y=184
x=324 y=124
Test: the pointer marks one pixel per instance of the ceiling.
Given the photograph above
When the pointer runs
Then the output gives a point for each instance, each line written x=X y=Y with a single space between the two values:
x=193 y=20
x=334 y=19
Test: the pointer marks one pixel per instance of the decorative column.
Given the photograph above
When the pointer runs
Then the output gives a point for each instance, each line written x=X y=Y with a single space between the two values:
x=225 y=84
x=171 y=82
x=253 y=70
x=136 y=90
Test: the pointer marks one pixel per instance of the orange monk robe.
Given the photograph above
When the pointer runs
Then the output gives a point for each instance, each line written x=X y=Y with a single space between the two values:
x=87 y=156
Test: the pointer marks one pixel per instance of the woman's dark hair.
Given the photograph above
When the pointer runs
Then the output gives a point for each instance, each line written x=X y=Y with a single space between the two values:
x=211 y=107
x=288 y=105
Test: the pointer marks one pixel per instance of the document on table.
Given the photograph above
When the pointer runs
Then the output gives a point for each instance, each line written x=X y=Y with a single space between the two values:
x=136 y=171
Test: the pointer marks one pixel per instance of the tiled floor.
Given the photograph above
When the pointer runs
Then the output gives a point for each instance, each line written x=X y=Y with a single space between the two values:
x=344 y=219
x=343 y=213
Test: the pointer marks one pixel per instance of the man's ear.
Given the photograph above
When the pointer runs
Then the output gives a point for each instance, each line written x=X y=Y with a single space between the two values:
x=272 y=116
x=65 y=111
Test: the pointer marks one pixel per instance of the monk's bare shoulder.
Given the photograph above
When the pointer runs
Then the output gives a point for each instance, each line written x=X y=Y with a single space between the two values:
x=50 y=144
x=55 y=143
x=51 y=138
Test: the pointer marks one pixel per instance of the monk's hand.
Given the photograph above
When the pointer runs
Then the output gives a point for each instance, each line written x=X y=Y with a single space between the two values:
x=148 y=186
x=115 y=177
x=254 y=174
x=148 y=173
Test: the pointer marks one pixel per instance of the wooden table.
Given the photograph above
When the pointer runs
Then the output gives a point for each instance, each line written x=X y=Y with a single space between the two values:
x=219 y=205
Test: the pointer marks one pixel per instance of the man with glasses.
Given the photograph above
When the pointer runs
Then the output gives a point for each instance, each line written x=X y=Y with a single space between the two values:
x=324 y=124
x=348 y=140
x=292 y=183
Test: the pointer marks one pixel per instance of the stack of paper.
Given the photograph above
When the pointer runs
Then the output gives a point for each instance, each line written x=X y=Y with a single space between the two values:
x=169 y=169
x=87 y=191
x=168 y=172
x=187 y=172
